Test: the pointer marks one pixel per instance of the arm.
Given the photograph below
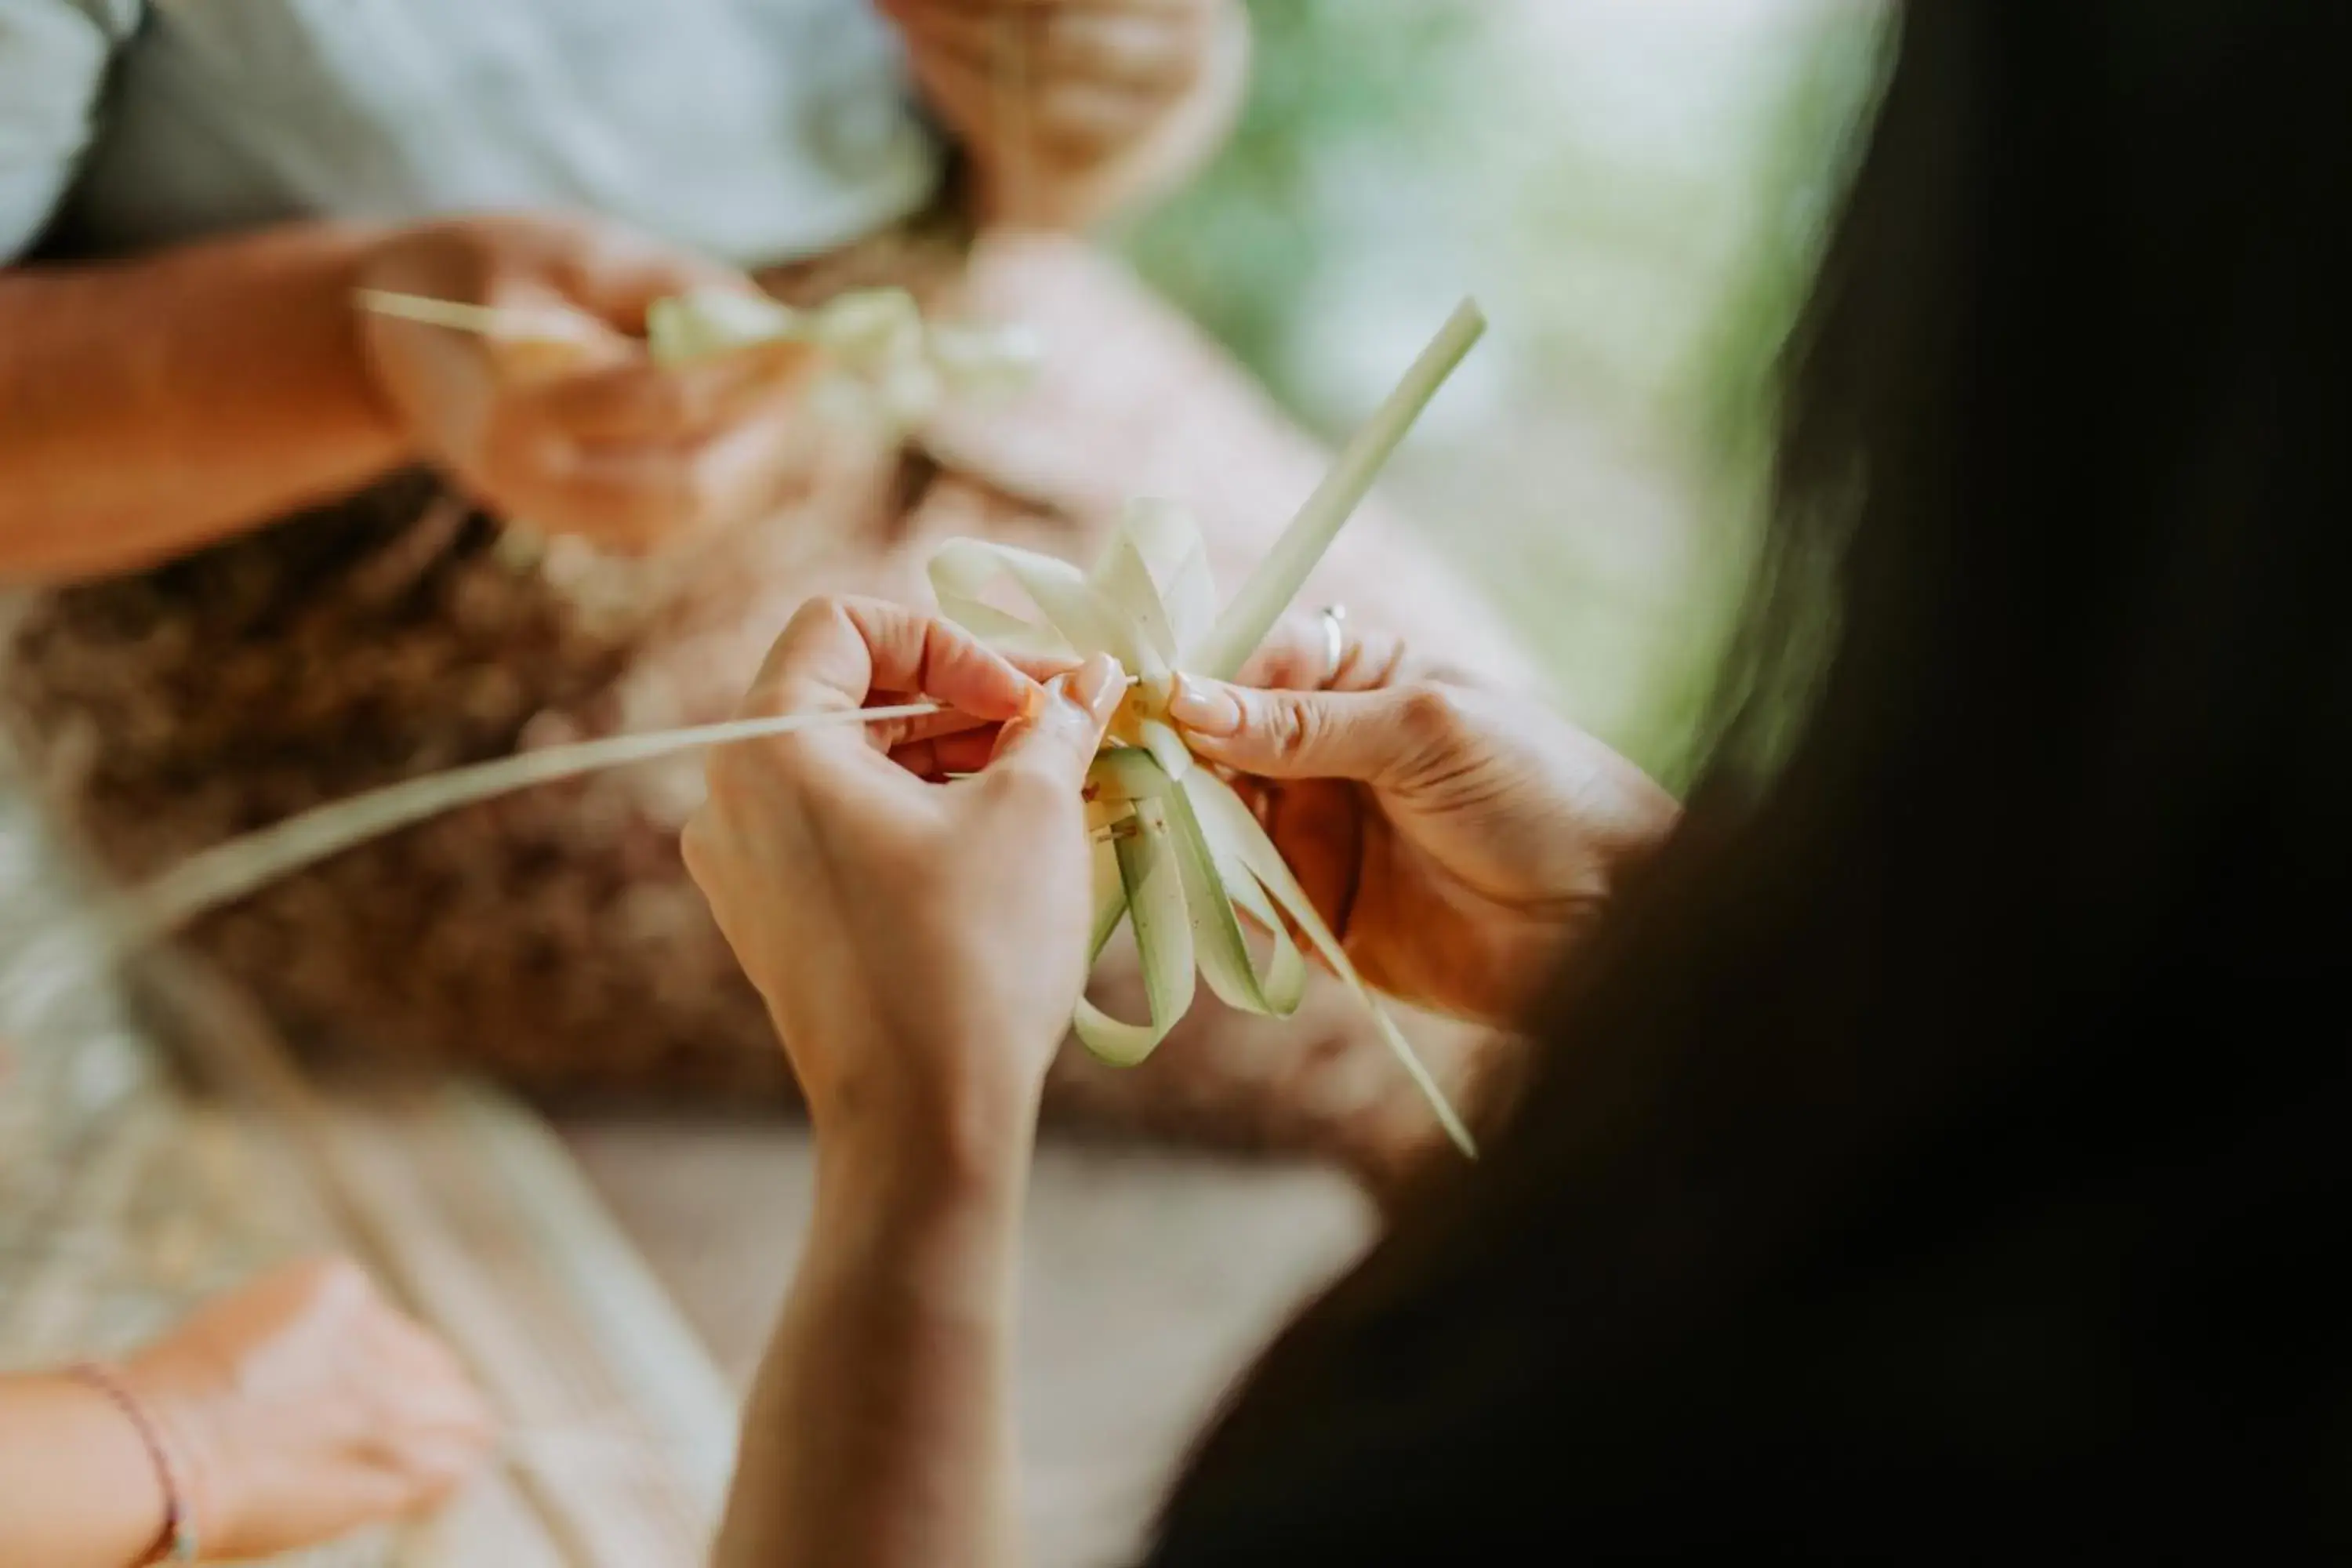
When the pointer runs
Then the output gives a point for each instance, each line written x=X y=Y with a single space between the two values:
x=880 y=1428
x=151 y=406
x=920 y=944
x=291 y=1412
x=77 y=1486
x=148 y=407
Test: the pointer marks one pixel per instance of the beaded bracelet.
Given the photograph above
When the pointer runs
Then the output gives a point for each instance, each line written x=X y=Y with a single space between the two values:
x=178 y=1541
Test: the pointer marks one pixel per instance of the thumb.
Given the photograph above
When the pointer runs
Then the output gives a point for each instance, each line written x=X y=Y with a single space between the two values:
x=1366 y=736
x=1058 y=738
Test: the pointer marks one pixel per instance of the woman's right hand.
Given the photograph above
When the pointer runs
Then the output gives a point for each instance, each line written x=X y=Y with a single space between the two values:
x=304 y=1406
x=1454 y=839
x=583 y=434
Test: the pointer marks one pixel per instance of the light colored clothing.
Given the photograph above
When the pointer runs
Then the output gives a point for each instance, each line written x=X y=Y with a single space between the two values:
x=754 y=131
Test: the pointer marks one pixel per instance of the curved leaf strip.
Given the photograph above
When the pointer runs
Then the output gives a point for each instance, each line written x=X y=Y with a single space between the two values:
x=1163 y=941
x=1219 y=945
x=1213 y=798
x=230 y=870
x=1177 y=560
x=1089 y=623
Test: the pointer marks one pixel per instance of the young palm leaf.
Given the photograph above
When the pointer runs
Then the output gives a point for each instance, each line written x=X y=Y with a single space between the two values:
x=1190 y=858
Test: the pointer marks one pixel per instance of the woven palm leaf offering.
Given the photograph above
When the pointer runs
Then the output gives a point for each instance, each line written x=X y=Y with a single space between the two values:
x=887 y=362
x=1181 y=859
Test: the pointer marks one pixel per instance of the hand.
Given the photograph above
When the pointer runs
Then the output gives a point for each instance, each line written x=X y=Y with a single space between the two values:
x=919 y=943
x=1068 y=106
x=303 y=1407
x=584 y=435
x=1454 y=839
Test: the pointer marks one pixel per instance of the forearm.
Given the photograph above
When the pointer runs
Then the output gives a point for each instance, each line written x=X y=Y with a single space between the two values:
x=880 y=1428
x=152 y=405
x=78 y=1489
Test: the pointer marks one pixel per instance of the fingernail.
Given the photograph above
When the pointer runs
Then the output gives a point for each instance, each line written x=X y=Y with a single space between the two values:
x=1063 y=708
x=1056 y=701
x=1204 y=709
x=1097 y=685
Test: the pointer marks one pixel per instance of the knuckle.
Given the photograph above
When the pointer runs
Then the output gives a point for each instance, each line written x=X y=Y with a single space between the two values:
x=1430 y=714
x=1281 y=661
x=1380 y=662
x=735 y=778
x=1293 y=727
x=822 y=610
x=1024 y=787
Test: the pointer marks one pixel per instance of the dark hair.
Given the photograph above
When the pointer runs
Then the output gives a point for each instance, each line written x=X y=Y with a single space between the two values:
x=1944 y=1145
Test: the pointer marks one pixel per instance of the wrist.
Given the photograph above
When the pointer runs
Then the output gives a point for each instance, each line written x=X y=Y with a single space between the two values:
x=357 y=259
x=155 y=1443
x=929 y=1145
x=934 y=1226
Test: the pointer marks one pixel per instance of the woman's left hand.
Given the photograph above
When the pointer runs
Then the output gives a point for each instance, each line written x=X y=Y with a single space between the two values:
x=1069 y=107
x=920 y=942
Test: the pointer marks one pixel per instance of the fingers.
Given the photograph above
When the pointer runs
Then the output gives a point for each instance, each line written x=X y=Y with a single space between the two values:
x=941 y=757
x=1318 y=827
x=632 y=498
x=1055 y=742
x=1130 y=46
x=837 y=652
x=1372 y=737
x=833 y=782
x=617 y=275
x=437 y=1394
x=1296 y=656
x=431 y=1426
x=1084 y=120
x=1011 y=117
x=642 y=404
x=591 y=438
x=1148 y=44
x=1083 y=76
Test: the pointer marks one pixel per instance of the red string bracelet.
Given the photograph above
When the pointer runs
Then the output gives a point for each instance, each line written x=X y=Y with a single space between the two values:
x=178 y=1541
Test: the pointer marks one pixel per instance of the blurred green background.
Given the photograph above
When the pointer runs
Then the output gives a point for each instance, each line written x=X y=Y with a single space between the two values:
x=1634 y=191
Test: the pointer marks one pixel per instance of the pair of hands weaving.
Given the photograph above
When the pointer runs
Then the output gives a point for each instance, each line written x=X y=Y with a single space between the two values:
x=1184 y=859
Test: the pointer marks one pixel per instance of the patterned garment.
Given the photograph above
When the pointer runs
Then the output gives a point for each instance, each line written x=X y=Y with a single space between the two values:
x=552 y=937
